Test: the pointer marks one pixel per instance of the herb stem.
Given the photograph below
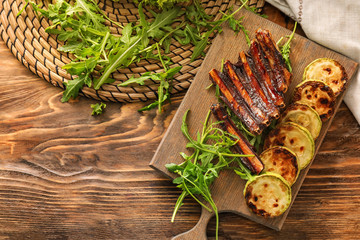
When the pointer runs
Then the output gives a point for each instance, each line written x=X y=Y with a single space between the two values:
x=103 y=44
x=178 y=204
x=202 y=193
x=111 y=68
x=161 y=60
x=104 y=15
x=171 y=32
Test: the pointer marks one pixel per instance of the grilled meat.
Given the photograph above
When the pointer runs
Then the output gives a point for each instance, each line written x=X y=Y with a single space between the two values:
x=276 y=62
x=253 y=87
x=242 y=146
x=234 y=101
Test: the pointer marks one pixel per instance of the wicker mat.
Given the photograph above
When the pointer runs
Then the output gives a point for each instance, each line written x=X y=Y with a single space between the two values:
x=25 y=36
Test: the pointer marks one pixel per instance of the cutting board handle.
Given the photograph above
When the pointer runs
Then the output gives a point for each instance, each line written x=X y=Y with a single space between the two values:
x=198 y=232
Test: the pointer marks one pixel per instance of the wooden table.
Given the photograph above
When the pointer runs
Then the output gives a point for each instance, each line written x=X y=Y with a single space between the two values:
x=65 y=174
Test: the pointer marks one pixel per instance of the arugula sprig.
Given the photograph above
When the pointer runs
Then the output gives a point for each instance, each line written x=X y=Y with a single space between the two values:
x=198 y=171
x=237 y=24
x=126 y=53
x=215 y=26
x=81 y=26
x=285 y=49
x=163 y=77
x=97 y=108
x=98 y=54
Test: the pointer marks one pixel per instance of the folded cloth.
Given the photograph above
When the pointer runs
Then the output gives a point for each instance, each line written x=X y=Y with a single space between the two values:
x=334 y=24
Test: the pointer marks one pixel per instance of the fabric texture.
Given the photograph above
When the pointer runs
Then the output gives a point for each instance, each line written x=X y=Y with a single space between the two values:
x=334 y=24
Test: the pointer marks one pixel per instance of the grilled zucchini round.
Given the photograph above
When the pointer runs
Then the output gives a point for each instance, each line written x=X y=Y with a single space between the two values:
x=303 y=115
x=298 y=139
x=267 y=195
x=317 y=95
x=282 y=161
x=329 y=71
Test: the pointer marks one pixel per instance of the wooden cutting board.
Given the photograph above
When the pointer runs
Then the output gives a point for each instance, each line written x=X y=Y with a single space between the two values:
x=227 y=190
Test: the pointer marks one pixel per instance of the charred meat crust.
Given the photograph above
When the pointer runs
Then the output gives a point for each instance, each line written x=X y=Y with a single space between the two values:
x=234 y=101
x=254 y=88
x=242 y=146
x=281 y=74
x=250 y=88
x=258 y=113
x=264 y=74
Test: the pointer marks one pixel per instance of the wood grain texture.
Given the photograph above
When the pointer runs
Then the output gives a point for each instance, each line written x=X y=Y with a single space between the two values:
x=67 y=175
x=227 y=190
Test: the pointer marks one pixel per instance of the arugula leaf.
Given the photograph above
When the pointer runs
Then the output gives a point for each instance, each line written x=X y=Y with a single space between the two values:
x=72 y=88
x=199 y=170
x=97 y=108
x=80 y=24
x=285 y=49
x=201 y=45
x=160 y=3
x=154 y=30
x=163 y=89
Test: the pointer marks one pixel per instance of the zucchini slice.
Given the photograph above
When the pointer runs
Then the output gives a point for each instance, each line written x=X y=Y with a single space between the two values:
x=282 y=161
x=317 y=95
x=298 y=139
x=303 y=115
x=267 y=195
x=329 y=71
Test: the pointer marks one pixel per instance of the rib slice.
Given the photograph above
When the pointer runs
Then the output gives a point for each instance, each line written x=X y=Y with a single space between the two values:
x=253 y=105
x=254 y=88
x=242 y=146
x=234 y=101
x=264 y=74
x=276 y=61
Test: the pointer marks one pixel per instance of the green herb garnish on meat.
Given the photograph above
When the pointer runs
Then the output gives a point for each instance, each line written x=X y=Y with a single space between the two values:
x=285 y=49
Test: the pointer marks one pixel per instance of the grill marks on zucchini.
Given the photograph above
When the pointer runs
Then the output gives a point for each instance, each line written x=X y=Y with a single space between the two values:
x=298 y=139
x=329 y=71
x=303 y=115
x=282 y=161
x=267 y=195
x=317 y=95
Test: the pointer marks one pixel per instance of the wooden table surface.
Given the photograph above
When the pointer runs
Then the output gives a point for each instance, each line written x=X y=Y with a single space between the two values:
x=65 y=174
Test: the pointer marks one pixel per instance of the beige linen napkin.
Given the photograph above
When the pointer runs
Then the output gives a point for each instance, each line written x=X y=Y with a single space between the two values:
x=334 y=24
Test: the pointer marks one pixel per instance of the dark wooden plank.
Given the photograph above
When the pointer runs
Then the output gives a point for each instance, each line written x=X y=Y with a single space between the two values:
x=115 y=195
x=227 y=190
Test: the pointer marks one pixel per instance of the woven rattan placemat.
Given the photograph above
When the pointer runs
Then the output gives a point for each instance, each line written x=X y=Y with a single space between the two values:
x=25 y=36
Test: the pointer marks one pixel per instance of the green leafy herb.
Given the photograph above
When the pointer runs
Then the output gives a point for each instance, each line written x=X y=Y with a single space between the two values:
x=123 y=55
x=237 y=24
x=97 y=108
x=98 y=53
x=254 y=9
x=199 y=170
x=160 y=3
x=201 y=44
x=285 y=49
x=163 y=77
x=255 y=140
